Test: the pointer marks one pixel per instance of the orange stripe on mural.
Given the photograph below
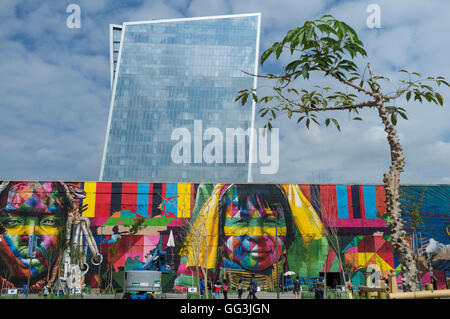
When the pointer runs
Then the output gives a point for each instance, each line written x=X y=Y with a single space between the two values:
x=361 y=202
x=129 y=196
x=328 y=201
x=306 y=190
x=380 y=195
x=103 y=200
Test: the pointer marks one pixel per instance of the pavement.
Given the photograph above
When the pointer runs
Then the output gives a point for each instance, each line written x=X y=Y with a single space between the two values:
x=259 y=295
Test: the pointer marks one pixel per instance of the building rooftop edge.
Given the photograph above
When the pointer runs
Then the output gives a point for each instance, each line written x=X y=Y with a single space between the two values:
x=193 y=18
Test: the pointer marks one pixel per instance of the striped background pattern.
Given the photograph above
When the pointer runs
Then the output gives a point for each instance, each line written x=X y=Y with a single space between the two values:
x=350 y=205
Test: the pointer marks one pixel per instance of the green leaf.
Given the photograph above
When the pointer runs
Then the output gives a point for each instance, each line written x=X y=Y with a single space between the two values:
x=292 y=66
x=274 y=115
x=408 y=95
x=327 y=122
x=357 y=119
x=289 y=115
x=265 y=55
x=336 y=123
x=439 y=98
x=394 y=119
x=244 y=99
x=403 y=115
x=278 y=50
x=300 y=119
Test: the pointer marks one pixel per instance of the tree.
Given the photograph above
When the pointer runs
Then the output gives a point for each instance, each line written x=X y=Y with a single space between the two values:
x=411 y=207
x=62 y=244
x=113 y=250
x=331 y=224
x=51 y=255
x=196 y=247
x=350 y=266
x=331 y=48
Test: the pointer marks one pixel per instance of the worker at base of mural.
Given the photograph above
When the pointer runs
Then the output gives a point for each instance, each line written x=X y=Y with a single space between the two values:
x=31 y=211
x=249 y=230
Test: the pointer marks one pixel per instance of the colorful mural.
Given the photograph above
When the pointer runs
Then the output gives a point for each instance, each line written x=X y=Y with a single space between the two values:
x=81 y=232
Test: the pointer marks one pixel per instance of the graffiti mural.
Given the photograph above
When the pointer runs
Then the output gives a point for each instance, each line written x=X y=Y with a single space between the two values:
x=77 y=235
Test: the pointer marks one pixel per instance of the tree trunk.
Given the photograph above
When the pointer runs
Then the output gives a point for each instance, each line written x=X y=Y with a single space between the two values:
x=391 y=182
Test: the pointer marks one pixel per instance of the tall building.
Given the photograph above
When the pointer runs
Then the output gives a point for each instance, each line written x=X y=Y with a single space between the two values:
x=180 y=73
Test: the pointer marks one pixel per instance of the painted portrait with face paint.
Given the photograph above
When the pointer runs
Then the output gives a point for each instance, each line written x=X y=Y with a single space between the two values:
x=255 y=226
x=249 y=228
x=31 y=212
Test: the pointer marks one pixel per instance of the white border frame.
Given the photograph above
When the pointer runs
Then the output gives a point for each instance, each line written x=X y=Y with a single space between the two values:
x=114 y=84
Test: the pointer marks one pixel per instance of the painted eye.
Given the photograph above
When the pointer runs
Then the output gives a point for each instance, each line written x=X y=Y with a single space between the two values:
x=49 y=221
x=13 y=222
x=245 y=218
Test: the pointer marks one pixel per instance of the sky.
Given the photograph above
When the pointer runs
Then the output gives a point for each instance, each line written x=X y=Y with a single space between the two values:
x=55 y=87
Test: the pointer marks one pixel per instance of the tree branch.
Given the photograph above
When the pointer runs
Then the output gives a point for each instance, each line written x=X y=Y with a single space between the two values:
x=305 y=108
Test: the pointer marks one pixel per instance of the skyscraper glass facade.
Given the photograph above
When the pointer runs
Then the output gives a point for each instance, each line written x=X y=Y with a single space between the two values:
x=168 y=74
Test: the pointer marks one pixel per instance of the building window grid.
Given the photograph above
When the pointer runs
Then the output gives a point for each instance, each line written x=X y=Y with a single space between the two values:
x=132 y=96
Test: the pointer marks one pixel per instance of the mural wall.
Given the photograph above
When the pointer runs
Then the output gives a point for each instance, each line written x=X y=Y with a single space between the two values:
x=86 y=232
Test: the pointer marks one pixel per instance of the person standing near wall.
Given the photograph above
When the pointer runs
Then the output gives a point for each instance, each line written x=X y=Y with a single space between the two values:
x=210 y=286
x=297 y=288
x=225 y=289
x=253 y=288
x=318 y=289
x=202 y=288
x=217 y=288
x=321 y=288
x=45 y=291
x=240 y=290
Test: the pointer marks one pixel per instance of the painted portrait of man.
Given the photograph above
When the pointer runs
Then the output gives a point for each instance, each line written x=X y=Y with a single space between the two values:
x=255 y=227
x=250 y=228
x=32 y=215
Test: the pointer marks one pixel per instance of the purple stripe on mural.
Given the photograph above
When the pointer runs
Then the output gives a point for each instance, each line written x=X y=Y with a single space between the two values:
x=355 y=202
x=315 y=199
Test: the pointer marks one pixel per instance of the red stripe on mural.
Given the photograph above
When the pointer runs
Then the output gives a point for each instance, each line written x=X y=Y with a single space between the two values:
x=163 y=191
x=349 y=200
x=150 y=199
x=329 y=261
x=129 y=196
x=380 y=196
x=361 y=202
x=103 y=200
x=329 y=201
x=306 y=190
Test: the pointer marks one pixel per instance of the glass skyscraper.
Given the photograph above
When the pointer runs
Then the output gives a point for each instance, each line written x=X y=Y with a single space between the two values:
x=180 y=73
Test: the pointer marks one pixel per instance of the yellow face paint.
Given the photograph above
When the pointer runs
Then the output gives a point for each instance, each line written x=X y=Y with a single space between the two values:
x=28 y=230
x=254 y=231
x=29 y=225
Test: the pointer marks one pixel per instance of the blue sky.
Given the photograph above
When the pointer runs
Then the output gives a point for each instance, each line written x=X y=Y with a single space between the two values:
x=55 y=87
